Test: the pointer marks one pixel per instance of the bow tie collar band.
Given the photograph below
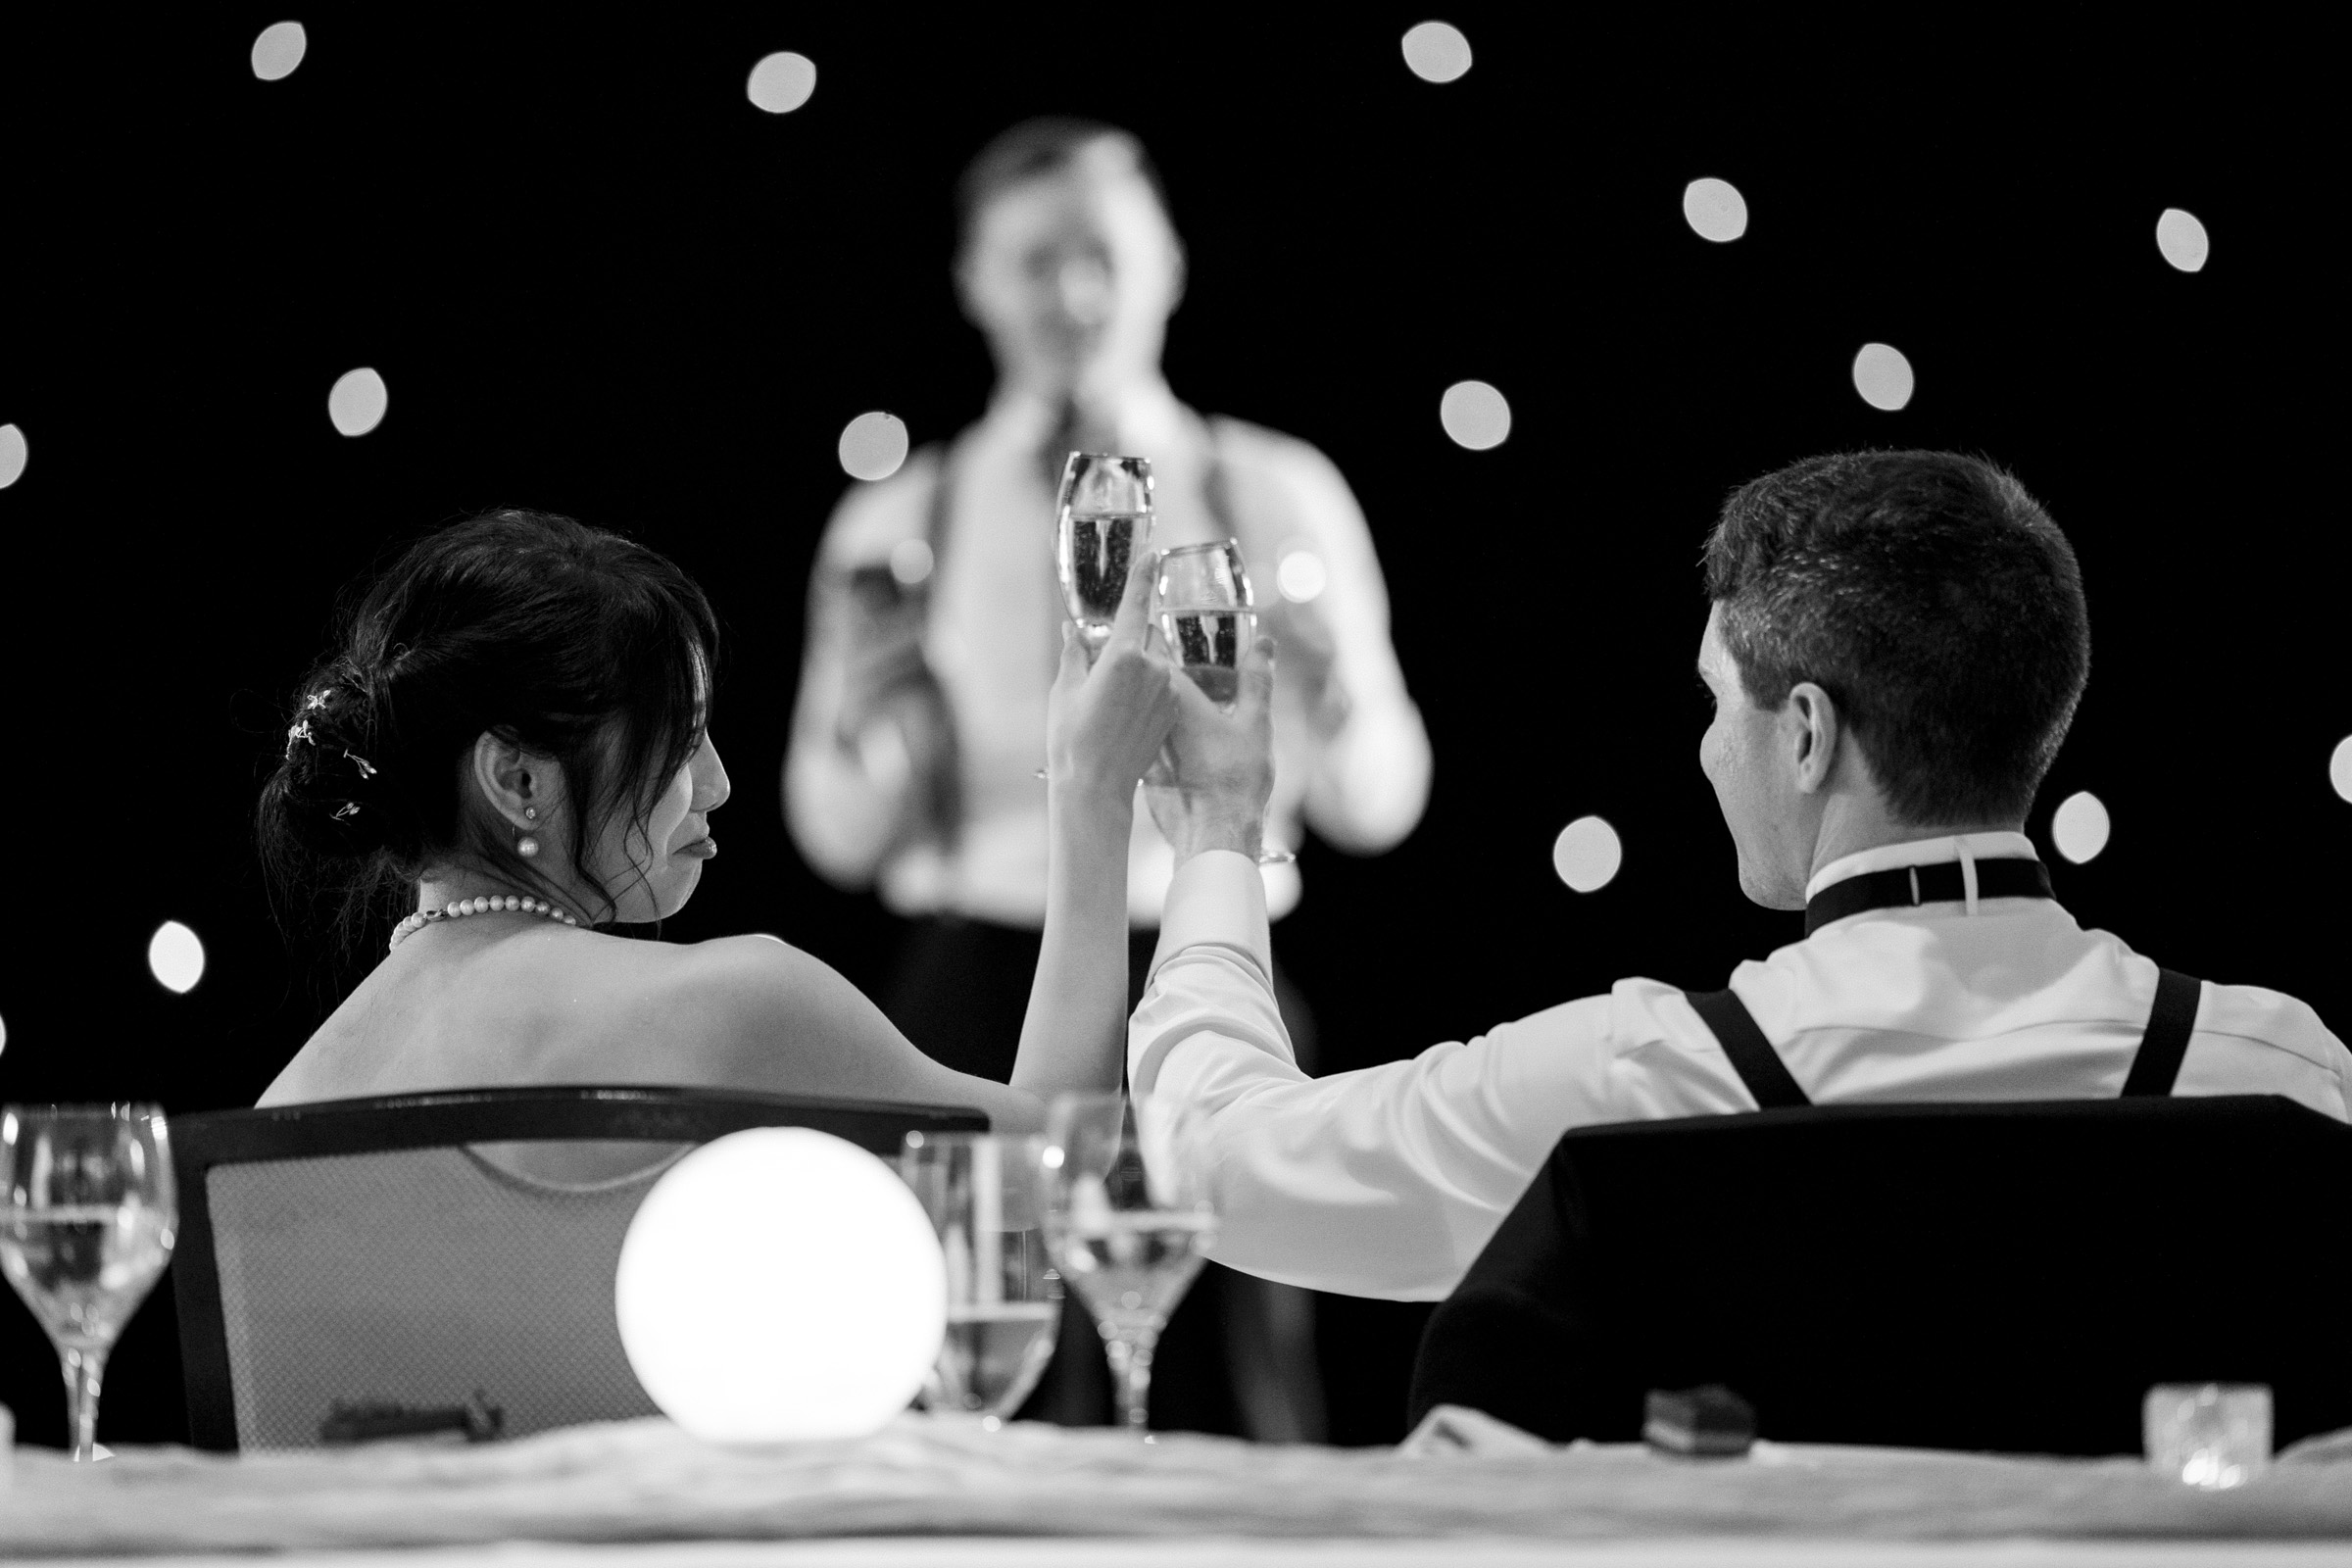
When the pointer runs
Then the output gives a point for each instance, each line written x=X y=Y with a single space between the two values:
x=1908 y=886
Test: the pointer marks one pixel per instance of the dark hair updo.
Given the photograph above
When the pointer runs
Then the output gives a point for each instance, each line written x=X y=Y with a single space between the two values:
x=564 y=640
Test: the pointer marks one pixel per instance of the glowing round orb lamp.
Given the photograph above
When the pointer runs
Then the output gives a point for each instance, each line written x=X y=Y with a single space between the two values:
x=780 y=1285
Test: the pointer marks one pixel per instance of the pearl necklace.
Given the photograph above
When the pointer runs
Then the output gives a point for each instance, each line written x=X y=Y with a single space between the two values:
x=483 y=906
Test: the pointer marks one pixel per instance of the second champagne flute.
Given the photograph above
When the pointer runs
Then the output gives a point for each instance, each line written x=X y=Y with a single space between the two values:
x=1207 y=612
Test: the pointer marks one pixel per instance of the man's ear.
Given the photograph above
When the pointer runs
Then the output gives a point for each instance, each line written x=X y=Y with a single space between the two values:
x=520 y=787
x=1813 y=732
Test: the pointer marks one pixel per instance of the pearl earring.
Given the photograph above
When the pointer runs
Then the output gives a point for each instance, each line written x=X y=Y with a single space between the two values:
x=527 y=846
x=530 y=814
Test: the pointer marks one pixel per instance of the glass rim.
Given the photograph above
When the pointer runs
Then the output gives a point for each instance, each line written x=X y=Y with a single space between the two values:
x=1235 y=545
x=92 y=1110
x=918 y=1140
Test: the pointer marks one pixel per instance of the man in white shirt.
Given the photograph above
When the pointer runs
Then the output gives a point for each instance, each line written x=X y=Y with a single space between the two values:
x=934 y=632
x=1896 y=645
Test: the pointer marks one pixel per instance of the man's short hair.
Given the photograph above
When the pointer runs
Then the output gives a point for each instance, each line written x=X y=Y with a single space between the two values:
x=1933 y=599
x=1037 y=148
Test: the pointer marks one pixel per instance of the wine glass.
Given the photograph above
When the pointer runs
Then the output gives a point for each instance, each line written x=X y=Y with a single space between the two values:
x=1129 y=1219
x=982 y=1193
x=86 y=1218
x=1206 y=609
x=1102 y=520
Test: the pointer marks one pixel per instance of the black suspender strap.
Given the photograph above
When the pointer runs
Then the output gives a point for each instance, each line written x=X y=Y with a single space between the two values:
x=2170 y=1023
x=1758 y=1065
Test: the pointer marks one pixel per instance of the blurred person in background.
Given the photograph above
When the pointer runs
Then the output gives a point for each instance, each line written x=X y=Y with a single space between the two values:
x=934 y=625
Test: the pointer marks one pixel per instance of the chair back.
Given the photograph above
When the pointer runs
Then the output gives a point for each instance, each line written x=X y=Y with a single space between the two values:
x=382 y=1253
x=1980 y=1276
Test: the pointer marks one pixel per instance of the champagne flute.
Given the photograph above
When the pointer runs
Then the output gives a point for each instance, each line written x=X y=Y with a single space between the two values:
x=1102 y=520
x=982 y=1193
x=1130 y=1220
x=87 y=1213
x=1207 y=612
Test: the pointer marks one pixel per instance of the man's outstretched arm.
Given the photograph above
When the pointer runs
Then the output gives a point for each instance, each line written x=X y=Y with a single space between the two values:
x=1383 y=1182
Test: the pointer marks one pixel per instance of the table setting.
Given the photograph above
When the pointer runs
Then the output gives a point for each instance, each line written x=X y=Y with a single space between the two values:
x=782 y=1438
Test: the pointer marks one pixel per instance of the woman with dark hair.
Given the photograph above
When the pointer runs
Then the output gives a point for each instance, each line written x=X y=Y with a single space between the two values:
x=511 y=740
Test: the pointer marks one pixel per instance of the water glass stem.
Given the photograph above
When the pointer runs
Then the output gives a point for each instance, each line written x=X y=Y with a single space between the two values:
x=85 y=1370
x=1130 y=1351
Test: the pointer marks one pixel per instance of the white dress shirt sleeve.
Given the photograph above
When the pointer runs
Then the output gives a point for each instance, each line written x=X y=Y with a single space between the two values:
x=1384 y=1182
x=845 y=796
x=1362 y=785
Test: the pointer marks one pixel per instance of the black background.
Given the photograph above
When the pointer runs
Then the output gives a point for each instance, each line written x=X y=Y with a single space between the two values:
x=598 y=280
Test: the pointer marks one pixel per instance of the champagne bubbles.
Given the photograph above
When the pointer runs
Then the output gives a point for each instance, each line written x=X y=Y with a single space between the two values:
x=1588 y=853
x=2181 y=240
x=358 y=400
x=1437 y=51
x=1475 y=414
x=1301 y=576
x=1715 y=209
x=910 y=562
x=1882 y=376
x=2339 y=769
x=14 y=455
x=2080 y=826
x=278 y=49
x=782 y=82
x=780 y=1285
x=872 y=446
x=176 y=958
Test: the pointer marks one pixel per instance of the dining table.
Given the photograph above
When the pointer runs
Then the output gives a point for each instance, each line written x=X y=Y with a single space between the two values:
x=925 y=1490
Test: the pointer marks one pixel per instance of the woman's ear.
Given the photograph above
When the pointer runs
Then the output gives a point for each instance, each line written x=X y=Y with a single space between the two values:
x=522 y=788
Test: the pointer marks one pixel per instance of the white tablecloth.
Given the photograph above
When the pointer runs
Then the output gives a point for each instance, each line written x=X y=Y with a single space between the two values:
x=1107 y=1497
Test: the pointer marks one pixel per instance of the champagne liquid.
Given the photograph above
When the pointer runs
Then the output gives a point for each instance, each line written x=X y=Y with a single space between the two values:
x=84 y=1268
x=1094 y=555
x=1131 y=1268
x=993 y=1355
x=1208 y=643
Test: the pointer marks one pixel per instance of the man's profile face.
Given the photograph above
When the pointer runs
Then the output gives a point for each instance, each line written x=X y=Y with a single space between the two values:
x=1072 y=275
x=1740 y=756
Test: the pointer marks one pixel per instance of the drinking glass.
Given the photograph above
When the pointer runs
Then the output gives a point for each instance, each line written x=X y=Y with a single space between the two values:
x=1102 y=520
x=87 y=1220
x=1205 y=607
x=983 y=1195
x=1129 y=1219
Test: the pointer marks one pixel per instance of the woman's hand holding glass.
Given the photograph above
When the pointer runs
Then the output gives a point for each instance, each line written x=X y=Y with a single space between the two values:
x=1105 y=724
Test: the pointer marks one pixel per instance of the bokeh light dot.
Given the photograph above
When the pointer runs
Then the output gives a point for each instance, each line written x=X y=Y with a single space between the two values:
x=278 y=50
x=2339 y=767
x=1883 y=376
x=3 y=1034
x=1588 y=853
x=782 y=81
x=872 y=446
x=176 y=958
x=1437 y=51
x=1715 y=209
x=911 y=562
x=14 y=455
x=1301 y=576
x=2182 y=240
x=1475 y=414
x=780 y=1284
x=2081 y=826
x=358 y=400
